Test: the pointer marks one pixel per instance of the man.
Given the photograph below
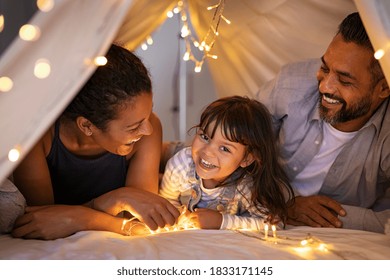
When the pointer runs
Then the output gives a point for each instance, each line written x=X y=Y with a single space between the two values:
x=334 y=133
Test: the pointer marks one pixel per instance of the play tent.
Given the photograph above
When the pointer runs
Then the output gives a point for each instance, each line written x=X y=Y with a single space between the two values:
x=263 y=35
x=41 y=73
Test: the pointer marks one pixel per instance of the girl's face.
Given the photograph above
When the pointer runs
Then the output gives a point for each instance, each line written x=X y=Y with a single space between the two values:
x=217 y=158
x=131 y=124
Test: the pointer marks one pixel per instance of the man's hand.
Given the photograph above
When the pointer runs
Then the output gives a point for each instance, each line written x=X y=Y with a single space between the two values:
x=315 y=211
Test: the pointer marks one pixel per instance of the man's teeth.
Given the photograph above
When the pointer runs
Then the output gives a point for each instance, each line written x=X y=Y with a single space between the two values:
x=207 y=164
x=330 y=100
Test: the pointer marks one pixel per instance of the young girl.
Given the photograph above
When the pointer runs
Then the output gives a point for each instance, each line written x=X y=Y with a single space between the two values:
x=230 y=177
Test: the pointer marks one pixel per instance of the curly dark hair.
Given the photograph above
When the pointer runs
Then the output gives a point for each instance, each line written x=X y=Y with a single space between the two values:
x=352 y=30
x=112 y=85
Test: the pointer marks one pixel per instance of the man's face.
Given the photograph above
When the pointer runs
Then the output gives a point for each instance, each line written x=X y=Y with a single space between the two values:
x=348 y=97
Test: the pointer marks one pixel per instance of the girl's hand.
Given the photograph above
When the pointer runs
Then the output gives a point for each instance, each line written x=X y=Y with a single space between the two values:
x=206 y=218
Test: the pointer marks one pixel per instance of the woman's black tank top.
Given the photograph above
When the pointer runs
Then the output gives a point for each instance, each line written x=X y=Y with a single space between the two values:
x=77 y=180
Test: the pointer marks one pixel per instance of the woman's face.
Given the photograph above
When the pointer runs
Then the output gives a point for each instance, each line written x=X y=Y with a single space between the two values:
x=131 y=124
x=216 y=158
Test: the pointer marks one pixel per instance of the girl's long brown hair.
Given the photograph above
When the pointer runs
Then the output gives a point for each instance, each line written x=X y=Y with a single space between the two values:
x=248 y=122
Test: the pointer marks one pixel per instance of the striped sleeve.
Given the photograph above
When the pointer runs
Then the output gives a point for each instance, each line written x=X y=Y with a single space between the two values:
x=249 y=217
x=174 y=178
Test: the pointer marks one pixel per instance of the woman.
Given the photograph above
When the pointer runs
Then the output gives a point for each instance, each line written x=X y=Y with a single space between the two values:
x=99 y=159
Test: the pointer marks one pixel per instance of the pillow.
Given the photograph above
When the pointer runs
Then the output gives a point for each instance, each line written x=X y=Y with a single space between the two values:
x=12 y=205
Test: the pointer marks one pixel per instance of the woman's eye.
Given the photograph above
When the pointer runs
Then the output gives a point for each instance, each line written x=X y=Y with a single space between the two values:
x=133 y=130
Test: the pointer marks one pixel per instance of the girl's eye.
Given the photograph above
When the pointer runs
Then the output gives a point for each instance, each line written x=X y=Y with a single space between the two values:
x=204 y=136
x=223 y=148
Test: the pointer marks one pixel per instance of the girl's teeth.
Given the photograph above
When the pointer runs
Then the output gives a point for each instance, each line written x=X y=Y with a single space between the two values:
x=207 y=164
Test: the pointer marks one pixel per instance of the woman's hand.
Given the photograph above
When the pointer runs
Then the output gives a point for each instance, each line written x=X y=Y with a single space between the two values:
x=206 y=218
x=151 y=209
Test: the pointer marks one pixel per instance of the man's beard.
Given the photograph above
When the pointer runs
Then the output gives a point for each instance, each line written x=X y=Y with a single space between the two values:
x=355 y=111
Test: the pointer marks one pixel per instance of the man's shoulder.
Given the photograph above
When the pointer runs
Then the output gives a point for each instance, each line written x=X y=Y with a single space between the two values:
x=305 y=69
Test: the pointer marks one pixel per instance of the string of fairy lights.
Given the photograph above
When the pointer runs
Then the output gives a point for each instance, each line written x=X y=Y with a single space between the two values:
x=197 y=50
x=42 y=68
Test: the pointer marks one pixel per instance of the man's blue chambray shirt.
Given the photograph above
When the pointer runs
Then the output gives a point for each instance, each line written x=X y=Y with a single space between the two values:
x=360 y=176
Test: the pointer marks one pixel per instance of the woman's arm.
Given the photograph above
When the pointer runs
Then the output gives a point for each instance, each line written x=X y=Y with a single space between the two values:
x=144 y=163
x=32 y=176
x=59 y=221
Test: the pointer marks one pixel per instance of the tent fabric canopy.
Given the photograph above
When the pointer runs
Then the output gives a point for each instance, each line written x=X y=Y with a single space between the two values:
x=263 y=36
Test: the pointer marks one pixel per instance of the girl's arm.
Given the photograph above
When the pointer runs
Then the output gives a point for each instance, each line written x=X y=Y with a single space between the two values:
x=249 y=217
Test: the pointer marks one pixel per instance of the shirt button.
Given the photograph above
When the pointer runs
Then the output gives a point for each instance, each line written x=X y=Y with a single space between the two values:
x=295 y=168
x=317 y=142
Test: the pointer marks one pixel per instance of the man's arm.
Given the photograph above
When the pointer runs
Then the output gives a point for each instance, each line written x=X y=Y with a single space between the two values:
x=365 y=219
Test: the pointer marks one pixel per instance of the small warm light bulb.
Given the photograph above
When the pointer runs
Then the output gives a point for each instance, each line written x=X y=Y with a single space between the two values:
x=196 y=44
x=226 y=20
x=6 y=84
x=185 y=31
x=42 y=68
x=13 y=154
x=213 y=56
x=100 y=60
x=184 y=18
x=212 y=7
x=170 y=14
x=176 y=10
x=304 y=242
x=274 y=231
x=29 y=32
x=45 y=5
x=1 y=23
x=186 y=56
x=198 y=67
x=322 y=247
x=144 y=46
x=149 y=40
x=379 y=54
x=265 y=231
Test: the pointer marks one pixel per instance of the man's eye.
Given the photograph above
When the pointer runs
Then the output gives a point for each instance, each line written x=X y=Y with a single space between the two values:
x=324 y=69
x=344 y=83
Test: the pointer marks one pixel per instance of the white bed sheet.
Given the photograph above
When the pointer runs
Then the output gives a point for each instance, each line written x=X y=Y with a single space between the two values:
x=203 y=245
